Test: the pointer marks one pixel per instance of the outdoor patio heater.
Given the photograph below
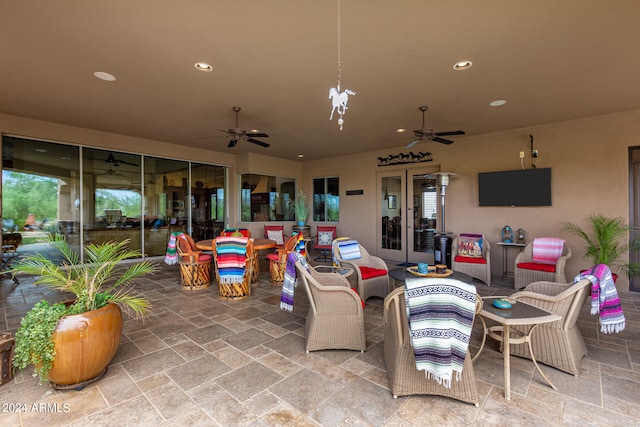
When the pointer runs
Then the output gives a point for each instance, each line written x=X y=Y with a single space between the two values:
x=444 y=240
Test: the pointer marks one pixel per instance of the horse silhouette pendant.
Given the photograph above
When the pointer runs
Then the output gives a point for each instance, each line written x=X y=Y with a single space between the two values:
x=339 y=101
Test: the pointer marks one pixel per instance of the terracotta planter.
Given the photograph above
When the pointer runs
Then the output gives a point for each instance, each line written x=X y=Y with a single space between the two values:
x=85 y=344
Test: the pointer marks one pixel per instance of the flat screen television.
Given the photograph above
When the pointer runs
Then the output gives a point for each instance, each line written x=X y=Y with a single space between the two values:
x=522 y=187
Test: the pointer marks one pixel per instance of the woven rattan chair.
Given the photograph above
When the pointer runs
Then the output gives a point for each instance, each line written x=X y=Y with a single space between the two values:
x=335 y=319
x=526 y=271
x=559 y=344
x=372 y=272
x=479 y=268
x=278 y=260
x=195 y=266
x=404 y=378
x=235 y=290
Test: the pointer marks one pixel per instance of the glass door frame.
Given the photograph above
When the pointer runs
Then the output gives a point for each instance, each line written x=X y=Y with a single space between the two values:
x=405 y=252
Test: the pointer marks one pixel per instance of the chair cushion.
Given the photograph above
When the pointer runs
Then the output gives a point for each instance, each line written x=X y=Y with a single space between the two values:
x=205 y=257
x=470 y=260
x=470 y=245
x=356 y=291
x=272 y=256
x=370 y=272
x=537 y=266
x=325 y=238
x=276 y=235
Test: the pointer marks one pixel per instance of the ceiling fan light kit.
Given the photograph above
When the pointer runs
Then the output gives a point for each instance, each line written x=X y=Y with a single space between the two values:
x=236 y=134
x=428 y=134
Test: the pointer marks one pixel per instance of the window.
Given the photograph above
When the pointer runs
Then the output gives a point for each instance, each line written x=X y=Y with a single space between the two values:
x=326 y=199
x=266 y=198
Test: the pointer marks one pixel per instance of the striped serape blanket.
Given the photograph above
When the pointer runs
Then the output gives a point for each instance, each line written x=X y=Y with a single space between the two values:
x=171 y=257
x=349 y=249
x=290 y=277
x=231 y=254
x=547 y=250
x=604 y=298
x=440 y=314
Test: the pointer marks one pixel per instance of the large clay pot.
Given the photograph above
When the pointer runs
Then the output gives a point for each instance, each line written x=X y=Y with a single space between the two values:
x=85 y=344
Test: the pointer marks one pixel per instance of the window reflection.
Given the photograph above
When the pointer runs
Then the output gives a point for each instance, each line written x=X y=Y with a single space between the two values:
x=266 y=198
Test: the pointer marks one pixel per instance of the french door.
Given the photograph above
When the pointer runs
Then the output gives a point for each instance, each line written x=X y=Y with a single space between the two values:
x=407 y=212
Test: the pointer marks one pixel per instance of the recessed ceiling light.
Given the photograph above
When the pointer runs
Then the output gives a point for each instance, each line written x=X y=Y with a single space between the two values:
x=41 y=150
x=105 y=76
x=203 y=66
x=301 y=155
x=462 y=65
x=497 y=102
x=401 y=130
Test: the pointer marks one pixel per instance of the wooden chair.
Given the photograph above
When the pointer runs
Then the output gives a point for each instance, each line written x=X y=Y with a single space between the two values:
x=275 y=233
x=335 y=319
x=404 y=378
x=559 y=344
x=476 y=263
x=528 y=271
x=195 y=266
x=278 y=260
x=323 y=240
x=229 y=231
x=239 y=289
x=372 y=272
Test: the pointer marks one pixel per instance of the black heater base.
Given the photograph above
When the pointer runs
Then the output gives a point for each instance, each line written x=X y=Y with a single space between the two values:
x=443 y=245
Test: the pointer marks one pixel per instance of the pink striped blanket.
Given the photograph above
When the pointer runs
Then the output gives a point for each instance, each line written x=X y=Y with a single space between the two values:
x=547 y=250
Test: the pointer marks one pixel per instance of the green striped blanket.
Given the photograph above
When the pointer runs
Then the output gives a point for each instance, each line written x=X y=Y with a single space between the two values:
x=440 y=314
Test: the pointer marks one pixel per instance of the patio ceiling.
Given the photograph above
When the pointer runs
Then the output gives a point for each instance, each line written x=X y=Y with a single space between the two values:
x=551 y=60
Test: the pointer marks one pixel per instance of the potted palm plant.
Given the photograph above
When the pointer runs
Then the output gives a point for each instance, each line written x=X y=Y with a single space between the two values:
x=607 y=240
x=301 y=208
x=71 y=344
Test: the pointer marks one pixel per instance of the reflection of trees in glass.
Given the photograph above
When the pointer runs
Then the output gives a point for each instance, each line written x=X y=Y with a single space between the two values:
x=24 y=193
x=245 y=215
x=333 y=207
x=326 y=200
x=125 y=200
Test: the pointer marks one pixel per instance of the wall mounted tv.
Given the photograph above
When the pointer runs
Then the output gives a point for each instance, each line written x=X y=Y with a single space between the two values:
x=522 y=187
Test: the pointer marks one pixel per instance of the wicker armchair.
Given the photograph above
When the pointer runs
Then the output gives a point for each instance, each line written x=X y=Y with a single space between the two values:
x=372 y=272
x=195 y=266
x=479 y=268
x=559 y=344
x=235 y=290
x=335 y=319
x=404 y=378
x=527 y=271
x=278 y=260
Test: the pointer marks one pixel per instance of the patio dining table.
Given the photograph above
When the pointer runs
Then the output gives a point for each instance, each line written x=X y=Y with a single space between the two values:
x=258 y=245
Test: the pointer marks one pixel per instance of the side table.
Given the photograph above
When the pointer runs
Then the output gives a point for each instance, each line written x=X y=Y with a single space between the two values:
x=505 y=247
x=519 y=314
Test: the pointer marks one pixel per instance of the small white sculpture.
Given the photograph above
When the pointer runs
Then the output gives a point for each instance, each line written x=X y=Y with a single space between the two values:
x=339 y=101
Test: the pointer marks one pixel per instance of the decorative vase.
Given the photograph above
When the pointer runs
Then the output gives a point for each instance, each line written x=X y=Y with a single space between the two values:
x=301 y=223
x=85 y=344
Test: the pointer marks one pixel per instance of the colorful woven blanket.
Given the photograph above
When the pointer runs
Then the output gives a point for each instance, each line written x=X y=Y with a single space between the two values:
x=440 y=314
x=604 y=298
x=290 y=277
x=547 y=250
x=231 y=255
x=171 y=257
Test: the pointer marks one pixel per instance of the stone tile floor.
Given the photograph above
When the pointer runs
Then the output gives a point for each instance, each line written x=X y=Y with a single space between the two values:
x=198 y=360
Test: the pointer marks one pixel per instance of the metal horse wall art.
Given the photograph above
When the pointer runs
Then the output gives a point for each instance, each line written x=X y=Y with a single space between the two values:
x=395 y=159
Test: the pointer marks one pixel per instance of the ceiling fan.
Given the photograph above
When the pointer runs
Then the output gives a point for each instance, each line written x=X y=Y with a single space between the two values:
x=427 y=134
x=237 y=134
x=111 y=160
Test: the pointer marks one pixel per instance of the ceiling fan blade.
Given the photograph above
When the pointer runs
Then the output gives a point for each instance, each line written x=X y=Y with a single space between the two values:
x=257 y=134
x=232 y=143
x=412 y=143
x=441 y=140
x=127 y=163
x=260 y=143
x=454 y=132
